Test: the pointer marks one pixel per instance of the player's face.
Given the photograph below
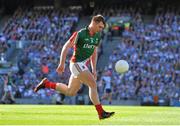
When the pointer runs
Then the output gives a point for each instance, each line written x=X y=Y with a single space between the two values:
x=99 y=27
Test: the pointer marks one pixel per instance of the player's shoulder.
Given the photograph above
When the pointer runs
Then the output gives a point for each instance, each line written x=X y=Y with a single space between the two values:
x=82 y=31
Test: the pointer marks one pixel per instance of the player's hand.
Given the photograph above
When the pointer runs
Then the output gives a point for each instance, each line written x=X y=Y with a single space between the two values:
x=94 y=74
x=60 y=69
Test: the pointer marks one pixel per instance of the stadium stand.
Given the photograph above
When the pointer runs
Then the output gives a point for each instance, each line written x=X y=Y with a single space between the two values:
x=153 y=52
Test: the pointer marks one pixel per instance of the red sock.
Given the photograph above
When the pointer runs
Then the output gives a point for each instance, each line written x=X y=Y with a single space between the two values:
x=99 y=109
x=49 y=84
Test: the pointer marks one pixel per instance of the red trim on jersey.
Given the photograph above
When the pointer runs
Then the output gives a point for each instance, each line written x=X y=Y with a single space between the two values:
x=72 y=38
x=73 y=58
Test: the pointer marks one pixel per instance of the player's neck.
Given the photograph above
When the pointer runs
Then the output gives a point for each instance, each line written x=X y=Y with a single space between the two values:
x=91 y=31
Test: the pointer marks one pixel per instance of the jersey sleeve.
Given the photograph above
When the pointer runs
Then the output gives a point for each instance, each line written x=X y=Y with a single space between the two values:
x=74 y=38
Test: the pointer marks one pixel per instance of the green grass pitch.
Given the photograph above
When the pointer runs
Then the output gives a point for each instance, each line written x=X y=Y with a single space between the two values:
x=86 y=115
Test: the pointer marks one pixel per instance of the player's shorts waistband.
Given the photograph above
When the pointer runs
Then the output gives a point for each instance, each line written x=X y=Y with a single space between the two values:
x=77 y=67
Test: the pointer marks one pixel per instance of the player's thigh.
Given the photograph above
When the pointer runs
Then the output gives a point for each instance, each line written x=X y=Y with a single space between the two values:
x=74 y=84
x=87 y=78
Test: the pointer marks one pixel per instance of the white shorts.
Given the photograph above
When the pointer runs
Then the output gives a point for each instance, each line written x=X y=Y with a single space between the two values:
x=77 y=68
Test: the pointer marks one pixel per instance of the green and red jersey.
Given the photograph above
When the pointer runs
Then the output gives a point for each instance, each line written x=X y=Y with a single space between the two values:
x=84 y=44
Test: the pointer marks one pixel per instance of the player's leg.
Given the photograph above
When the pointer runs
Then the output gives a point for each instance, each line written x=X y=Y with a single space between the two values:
x=70 y=90
x=105 y=95
x=110 y=97
x=87 y=78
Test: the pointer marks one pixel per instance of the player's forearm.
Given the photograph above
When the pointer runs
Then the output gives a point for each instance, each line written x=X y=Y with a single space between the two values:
x=94 y=60
x=63 y=54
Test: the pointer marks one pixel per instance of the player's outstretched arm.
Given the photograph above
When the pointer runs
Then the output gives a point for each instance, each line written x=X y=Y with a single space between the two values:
x=67 y=45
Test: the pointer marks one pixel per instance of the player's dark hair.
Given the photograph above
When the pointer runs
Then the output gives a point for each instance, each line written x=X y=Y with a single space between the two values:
x=99 y=18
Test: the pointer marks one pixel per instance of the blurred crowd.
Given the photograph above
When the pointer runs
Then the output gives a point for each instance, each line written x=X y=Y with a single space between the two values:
x=3 y=48
x=153 y=52
x=40 y=24
x=45 y=31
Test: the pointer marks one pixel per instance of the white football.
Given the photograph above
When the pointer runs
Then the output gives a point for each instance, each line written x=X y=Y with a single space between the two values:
x=121 y=66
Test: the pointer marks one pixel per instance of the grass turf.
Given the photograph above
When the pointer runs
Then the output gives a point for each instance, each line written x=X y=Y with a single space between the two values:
x=86 y=115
